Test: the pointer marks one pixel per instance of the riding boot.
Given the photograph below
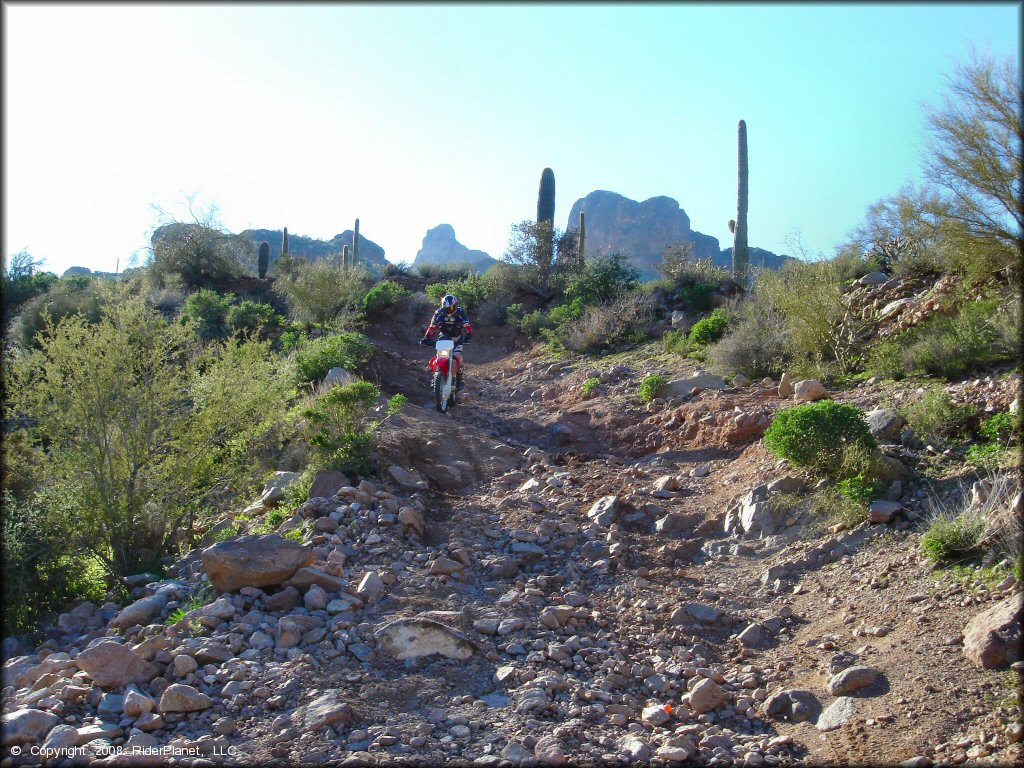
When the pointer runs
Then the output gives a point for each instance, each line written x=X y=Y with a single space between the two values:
x=458 y=380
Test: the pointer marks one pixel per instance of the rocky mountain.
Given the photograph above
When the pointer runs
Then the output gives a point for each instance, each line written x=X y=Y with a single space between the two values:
x=299 y=245
x=88 y=273
x=441 y=247
x=644 y=230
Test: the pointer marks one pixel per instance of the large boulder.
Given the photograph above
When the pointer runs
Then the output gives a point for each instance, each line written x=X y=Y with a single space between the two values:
x=27 y=725
x=992 y=639
x=809 y=390
x=884 y=423
x=684 y=387
x=326 y=709
x=144 y=610
x=113 y=665
x=254 y=561
x=183 y=698
x=414 y=637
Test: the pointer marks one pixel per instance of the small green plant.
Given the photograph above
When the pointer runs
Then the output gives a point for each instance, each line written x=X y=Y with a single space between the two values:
x=252 y=317
x=816 y=435
x=295 y=534
x=709 y=329
x=676 y=342
x=383 y=295
x=208 y=310
x=835 y=508
x=885 y=359
x=339 y=428
x=1000 y=428
x=859 y=488
x=194 y=602
x=934 y=418
x=953 y=539
x=589 y=386
x=347 y=350
x=650 y=385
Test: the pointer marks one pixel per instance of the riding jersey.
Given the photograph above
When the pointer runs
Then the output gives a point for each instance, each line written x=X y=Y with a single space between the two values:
x=454 y=325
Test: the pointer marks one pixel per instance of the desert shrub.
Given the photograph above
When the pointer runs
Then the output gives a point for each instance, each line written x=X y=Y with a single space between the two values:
x=186 y=426
x=677 y=342
x=885 y=359
x=1008 y=329
x=252 y=317
x=816 y=435
x=66 y=297
x=22 y=281
x=820 y=330
x=860 y=488
x=650 y=385
x=709 y=329
x=383 y=295
x=444 y=273
x=207 y=311
x=755 y=345
x=627 y=320
x=398 y=269
x=834 y=507
x=293 y=339
x=602 y=280
x=347 y=350
x=934 y=418
x=680 y=268
x=317 y=291
x=339 y=428
x=199 y=256
x=533 y=323
x=589 y=386
x=471 y=290
x=951 y=539
x=997 y=434
x=1001 y=428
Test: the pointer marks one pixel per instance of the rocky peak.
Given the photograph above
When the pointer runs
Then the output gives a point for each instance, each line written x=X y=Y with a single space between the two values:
x=441 y=247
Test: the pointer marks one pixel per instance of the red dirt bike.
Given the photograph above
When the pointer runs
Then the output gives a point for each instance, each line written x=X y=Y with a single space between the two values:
x=444 y=374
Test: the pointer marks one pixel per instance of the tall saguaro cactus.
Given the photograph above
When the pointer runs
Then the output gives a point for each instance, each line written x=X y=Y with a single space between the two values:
x=546 y=213
x=355 y=244
x=264 y=259
x=344 y=256
x=284 y=242
x=581 y=250
x=740 y=253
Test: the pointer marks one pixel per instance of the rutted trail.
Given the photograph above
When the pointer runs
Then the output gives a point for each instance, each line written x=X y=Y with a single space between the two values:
x=543 y=578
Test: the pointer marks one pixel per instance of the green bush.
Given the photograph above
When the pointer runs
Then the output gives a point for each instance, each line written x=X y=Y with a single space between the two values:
x=198 y=256
x=860 y=488
x=605 y=327
x=383 y=295
x=208 y=310
x=953 y=539
x=835 y=508
x=340 y=430
x=885 y=359
x=589 y=386
x=709 y=329
x=471 y=290
x=650 y=385
x=252 y=317
x=1001 y=428
x=444 y=273
x=347 y=350
x=602 y=280
x=755 y=344
x=66 y=297
x=934 y=418
x=816 y=435
x=677 y=342
x=318 y=291
x=697 y=297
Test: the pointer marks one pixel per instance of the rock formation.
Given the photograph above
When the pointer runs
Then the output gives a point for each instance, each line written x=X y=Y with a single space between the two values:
x=441 y=247
x=644 y=230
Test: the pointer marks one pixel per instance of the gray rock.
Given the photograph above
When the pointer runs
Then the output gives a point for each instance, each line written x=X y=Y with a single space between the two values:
x=254 y=561
x=702 y=612
x=785 y=385
x=183 y=698
x=837 y=714
x=792 y=704
x=685 y=387
x=852 y=679
x=371 y=588
x=142 y=611
x=993 y=638
x=328 y=482
x=275 y=487
x=706 y=696
x=548 y=751
x=604 y=510
x=113 y=665
x=882 y=511
x=636 y=749
x=62 y=738
x=884 y=423
x=326 y=709
x=809 y=390
x=27 y=725
x=753 y=636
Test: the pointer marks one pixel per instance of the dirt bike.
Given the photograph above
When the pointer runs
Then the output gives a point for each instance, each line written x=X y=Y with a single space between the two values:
x=444 y=374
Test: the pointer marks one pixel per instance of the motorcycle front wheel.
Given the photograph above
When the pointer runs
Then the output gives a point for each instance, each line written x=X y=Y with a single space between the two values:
x=440 y=399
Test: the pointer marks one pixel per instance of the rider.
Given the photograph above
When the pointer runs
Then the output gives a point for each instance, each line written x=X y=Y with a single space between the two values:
x=451 y=322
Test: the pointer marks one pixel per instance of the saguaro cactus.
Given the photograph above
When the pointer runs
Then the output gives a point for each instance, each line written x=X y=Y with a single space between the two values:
x=546 y=197
x=355 y=244
x=344 y=256
x=581 y=250
x=284 y=242
x=264 y=259
x=740 y=254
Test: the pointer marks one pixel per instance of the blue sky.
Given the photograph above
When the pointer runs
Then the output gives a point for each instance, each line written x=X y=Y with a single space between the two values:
x=407 y=116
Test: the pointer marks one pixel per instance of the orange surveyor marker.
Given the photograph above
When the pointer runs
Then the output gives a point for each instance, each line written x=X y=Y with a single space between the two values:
x=668 y=708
